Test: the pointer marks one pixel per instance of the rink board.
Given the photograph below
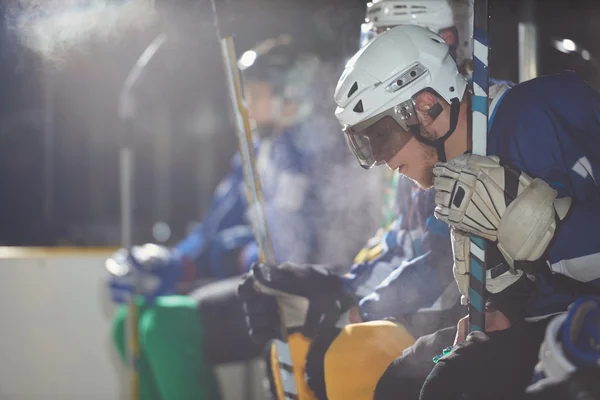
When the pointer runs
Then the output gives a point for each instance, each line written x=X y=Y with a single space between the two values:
x=55 y=318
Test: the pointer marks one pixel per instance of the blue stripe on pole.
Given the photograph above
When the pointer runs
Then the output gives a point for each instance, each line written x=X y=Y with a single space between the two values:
x=480 y=104
x=474 y=328
x=479 y=242
x=480 y=74
x=481 y=36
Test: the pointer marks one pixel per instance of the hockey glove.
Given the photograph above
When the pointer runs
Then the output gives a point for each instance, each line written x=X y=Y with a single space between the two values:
x=477 y=195
x=148 y=270
x=571 y=341
x=494 y=284
x=309 y=296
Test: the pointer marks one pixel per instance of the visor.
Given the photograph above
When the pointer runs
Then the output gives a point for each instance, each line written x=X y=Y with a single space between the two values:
x=375 y=140
x=377 y=143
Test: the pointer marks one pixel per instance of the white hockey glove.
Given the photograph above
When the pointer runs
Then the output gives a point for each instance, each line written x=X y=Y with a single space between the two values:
x=460 y=249
x=477 y=195
x=148 y=270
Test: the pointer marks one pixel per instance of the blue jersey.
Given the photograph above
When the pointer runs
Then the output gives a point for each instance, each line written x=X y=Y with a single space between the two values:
x=408 y=268
x=549 y=128
x=422 y=283
x=224 y=227
x=290 y=167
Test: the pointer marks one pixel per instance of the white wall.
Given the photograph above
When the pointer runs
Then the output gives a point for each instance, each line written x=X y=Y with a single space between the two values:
x=55 y=321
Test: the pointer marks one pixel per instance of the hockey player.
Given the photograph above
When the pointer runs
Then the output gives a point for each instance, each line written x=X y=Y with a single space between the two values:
x=450 y=20
x=402 y=102
x=278 y=79
x=418 y=260
x=420 y=294
x=570 y=356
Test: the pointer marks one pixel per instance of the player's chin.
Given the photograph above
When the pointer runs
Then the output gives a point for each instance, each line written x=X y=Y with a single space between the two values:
x=423 y=178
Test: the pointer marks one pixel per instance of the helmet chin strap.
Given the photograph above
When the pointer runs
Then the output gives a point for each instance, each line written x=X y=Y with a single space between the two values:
x=440 y=143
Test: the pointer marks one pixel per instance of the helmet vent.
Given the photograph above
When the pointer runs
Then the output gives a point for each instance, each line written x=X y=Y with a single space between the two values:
x=358 y=107
x=353 y=89
x=406 y=78
x=437 y=40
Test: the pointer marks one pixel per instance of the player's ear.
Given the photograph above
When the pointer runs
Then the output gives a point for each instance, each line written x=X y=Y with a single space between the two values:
x=424 y=102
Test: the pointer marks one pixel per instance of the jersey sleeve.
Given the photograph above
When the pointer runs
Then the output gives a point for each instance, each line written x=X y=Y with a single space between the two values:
x=224 y=227
x=421 y=283
x=413 y=285
x=551 y=129
x=379 y=258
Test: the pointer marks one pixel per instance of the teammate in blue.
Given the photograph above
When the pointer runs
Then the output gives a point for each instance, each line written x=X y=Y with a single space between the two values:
x=402 y=102
x=182 y=336
x=569 y=363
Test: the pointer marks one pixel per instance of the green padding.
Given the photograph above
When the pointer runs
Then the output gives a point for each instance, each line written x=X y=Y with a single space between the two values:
x=173 y=363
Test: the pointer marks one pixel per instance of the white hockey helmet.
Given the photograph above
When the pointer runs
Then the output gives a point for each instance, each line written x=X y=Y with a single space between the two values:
x=375 y=94
x=451 y=19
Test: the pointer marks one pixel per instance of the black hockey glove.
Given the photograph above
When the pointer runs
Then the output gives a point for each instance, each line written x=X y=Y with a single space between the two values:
x=310 y=298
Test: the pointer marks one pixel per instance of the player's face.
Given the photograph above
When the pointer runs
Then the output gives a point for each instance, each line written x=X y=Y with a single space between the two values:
x=260 y=102
x=415 y=161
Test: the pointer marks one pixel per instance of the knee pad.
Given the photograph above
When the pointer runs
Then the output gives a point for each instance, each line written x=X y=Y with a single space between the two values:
x=359 y=356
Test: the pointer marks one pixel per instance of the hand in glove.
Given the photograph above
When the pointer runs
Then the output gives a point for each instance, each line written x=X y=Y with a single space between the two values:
x=148 y=270
x=461 y=244
x=487 y=366
x=477 y=195
x=309 y=296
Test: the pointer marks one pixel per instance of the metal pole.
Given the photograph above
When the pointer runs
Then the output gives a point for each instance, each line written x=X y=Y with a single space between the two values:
x=528 y=41
x=162 y=139
x=127 y=111
x=479 y=122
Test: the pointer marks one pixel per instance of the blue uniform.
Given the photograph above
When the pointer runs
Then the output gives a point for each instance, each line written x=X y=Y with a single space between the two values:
x=224 y=227
x=291 y=172
x=549 y=128
x=409 y=268
x=422 y=283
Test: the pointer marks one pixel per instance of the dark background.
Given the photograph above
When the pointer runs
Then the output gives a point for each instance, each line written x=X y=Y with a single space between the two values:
x=60 y=133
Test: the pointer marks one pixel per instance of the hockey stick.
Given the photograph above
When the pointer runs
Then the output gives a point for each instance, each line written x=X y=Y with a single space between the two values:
x=289 y=389
x=479 y=129
x=127 y=111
